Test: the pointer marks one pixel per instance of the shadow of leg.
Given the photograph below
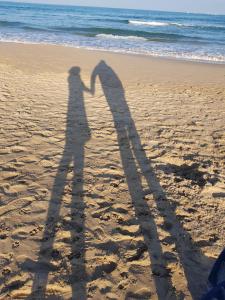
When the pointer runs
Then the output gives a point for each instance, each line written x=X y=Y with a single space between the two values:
x=194 y=263
x=163 y=284
x=78 y=277
x=44 y=266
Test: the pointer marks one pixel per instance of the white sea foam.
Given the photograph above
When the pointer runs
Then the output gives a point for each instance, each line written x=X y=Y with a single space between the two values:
x=156 y=23
x=148 y=23
x=198 y=25
x=120 y=37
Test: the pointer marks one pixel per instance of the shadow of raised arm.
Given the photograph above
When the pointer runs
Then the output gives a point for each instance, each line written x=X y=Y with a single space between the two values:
x=93 y=80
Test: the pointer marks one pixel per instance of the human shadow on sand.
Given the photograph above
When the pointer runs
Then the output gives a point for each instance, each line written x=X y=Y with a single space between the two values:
x=194 y=263
x=135 y=164
x=77 y=134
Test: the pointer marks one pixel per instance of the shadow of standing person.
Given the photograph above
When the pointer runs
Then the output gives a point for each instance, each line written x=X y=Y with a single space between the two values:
x=191 y=258
x=77 y=134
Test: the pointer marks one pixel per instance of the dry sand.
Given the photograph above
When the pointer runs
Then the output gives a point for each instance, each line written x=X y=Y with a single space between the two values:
x=116 y=195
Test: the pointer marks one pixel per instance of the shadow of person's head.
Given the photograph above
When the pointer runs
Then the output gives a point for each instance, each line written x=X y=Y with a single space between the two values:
x=102 y=62
x=74 y=71
x=102 y=65
x=108 y=77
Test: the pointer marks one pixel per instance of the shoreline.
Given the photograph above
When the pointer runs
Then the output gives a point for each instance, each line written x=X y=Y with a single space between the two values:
x=169 y=58
x=157 y=69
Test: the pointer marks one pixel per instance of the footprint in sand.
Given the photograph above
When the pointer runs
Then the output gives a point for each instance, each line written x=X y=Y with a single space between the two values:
x=142 y=294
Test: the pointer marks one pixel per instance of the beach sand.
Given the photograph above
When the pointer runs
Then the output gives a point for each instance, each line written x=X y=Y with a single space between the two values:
x=113 y=190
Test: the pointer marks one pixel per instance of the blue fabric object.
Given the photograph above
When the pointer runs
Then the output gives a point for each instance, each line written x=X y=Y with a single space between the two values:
x=217 y=274
x=217 y=280
x=216 y=293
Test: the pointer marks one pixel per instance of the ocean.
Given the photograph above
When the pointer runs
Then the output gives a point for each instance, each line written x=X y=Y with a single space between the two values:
x=187 y=36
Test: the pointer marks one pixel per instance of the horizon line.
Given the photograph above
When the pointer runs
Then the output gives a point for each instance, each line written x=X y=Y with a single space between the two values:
x=107 y=7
